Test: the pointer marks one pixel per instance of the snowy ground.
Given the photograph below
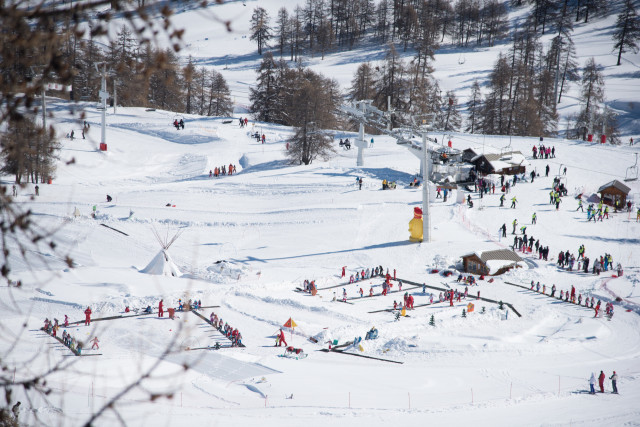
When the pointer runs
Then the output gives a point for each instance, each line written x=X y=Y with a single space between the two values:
x=277 y=225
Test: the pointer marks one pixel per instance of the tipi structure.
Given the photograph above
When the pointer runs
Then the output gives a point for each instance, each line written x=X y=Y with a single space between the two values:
x=162 y=264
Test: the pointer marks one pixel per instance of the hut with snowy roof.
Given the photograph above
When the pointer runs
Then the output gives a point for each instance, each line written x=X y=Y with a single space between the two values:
x=509 y=163
x=613 y=192
x=490 y=263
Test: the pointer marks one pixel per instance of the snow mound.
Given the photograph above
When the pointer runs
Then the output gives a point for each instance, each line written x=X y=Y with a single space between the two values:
x=162 y=265
x=223 y=271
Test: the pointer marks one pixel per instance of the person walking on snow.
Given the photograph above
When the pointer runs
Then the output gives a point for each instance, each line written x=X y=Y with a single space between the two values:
x=592 y=383
x=95 y=345
x=87 y=316
x=601 y=378
x=160 y=309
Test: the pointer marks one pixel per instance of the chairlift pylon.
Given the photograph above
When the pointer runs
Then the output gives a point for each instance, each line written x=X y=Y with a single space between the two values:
x=632 y=171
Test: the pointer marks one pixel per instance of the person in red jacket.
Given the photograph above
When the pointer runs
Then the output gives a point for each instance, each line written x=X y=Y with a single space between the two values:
x=87 y=316
x=160 y=310
x=601 y=381
x=281 y=339
x=343 y=271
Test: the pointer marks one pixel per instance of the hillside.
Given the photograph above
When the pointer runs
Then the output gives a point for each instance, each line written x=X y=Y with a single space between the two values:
x=250 y=239
x=235 y=56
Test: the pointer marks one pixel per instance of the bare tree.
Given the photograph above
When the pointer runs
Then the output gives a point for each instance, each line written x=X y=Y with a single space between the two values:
x=49 y=43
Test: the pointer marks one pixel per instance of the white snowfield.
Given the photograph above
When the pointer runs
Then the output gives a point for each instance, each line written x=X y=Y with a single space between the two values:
x=250 y=239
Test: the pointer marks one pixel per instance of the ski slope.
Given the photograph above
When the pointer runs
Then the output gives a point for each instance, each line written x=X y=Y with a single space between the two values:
x=275 y=225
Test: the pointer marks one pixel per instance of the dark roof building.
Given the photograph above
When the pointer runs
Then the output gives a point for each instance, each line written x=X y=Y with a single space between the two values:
x=614 y=193
x=490 y=262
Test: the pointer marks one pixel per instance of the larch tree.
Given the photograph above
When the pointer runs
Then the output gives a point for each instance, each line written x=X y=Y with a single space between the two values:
x=627 y=30
x=474 y=108
x=591 y=95
x=260 y=28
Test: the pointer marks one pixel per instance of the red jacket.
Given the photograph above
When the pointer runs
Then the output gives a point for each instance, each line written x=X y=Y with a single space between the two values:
x=88 y=311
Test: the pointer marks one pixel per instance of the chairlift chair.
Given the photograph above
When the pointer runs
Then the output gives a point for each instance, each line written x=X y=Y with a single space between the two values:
x=632 y=171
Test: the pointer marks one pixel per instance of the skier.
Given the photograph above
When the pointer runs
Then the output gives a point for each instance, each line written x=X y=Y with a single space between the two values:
x=592 y=383
x=66 y=321
x=614 y=380
x=95 y=345
x=87 y=316
x=281 y=339
x=580 y=206
x=534 y=218
x=360 y=183
x=513 y=201
x=504 y=230
x=502 y=198
x=343 y=270
x=37 y=190
x=160 y=309
x=601 y=378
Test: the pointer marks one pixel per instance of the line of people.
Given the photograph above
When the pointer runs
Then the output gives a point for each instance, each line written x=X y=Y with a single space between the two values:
x=367 y=274
x=222 y=170
x=601 y=378
x=227 y=330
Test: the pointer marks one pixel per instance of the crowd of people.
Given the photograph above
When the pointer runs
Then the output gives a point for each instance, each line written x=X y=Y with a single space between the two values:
x=222 y=170
x=73 y=344
x=227 y=330
x=368 y=274
x=542 y=152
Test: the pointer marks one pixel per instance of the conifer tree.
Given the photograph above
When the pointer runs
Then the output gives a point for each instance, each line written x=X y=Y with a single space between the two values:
x=592 y=94
x=627 y=32
x=260 y=29
x=474 y=108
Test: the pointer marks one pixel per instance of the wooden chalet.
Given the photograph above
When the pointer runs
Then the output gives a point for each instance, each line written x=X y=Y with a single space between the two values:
x=490 y=263
x=613 y=192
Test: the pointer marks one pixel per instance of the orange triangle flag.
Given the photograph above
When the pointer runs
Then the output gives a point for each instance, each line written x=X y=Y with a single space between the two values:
x=290 y=323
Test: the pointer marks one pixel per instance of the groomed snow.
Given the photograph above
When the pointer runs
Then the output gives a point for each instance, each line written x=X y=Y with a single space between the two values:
x=250 y=239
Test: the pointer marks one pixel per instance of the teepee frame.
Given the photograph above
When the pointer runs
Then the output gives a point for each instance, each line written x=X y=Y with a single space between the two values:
x=166 y=242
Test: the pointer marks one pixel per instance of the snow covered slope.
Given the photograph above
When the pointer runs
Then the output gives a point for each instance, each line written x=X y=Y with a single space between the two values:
x=251 y=238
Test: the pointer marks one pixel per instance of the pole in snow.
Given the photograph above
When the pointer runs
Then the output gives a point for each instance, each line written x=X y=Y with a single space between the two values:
x=426 y=218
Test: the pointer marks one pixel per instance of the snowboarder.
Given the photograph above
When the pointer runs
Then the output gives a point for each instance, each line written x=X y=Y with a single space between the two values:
x=160 y=309
x=95 y=345
x=592 y=384
x=614 y=380
x=181 y=123
x=109 y=198
x=87 y=316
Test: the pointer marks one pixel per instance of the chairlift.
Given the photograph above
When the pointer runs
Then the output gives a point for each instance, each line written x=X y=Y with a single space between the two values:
x=632 y=171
